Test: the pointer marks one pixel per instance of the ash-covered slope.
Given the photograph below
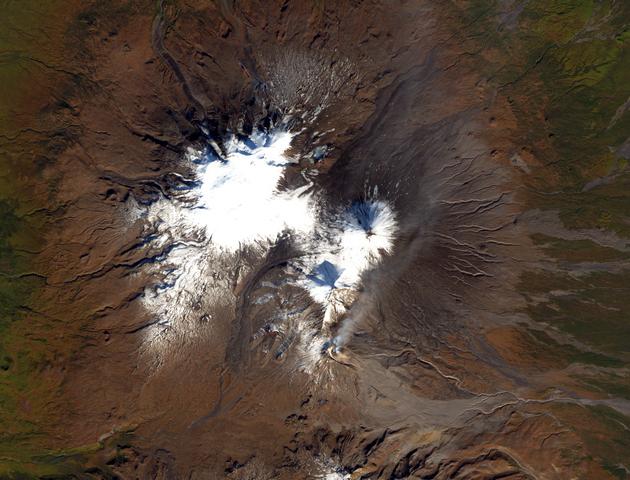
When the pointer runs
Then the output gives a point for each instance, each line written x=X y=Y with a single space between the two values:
x=294 y=240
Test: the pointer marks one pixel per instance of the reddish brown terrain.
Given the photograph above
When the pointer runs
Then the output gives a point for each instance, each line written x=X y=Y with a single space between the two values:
x=489 y=340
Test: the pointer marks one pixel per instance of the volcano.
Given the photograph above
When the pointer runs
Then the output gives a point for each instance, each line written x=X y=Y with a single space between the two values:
x=315 y=240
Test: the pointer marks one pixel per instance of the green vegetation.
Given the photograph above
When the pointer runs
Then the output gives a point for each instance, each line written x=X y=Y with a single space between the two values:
x=39 y=41
x=614 y=384
x=592 y=307
x=563 y=67
x=609 y=439
x=606 y=207
x=30 y=33
x=578 y=250
x=604 y=434
x=567 y=353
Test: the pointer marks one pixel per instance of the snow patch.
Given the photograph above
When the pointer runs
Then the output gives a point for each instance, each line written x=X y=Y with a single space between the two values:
x=353 y=243
x=239 y=202
x=233 y=205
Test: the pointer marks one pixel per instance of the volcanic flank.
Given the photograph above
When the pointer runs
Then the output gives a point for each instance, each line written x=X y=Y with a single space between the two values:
x=334 y=240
